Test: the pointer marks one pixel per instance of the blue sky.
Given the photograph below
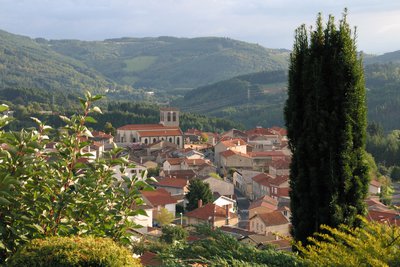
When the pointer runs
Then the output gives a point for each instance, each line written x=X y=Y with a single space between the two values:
x=266 y=22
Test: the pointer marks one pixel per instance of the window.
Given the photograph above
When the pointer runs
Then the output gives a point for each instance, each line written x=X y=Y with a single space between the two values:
x=154 y=140
x=145 y=141
x=178 y=141
x=170 y=140
x=169 y=116
x=174 y=116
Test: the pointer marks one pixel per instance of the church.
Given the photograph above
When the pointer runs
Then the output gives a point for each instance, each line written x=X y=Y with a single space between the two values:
x=167 y=130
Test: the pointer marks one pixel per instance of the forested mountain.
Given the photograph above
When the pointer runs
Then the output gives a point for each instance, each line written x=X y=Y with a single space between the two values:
x=26 y=63
x=258 y=99
x=168 y=62
x=253 y=99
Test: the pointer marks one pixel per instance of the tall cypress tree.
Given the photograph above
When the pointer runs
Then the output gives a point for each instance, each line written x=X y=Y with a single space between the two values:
x=325 y=116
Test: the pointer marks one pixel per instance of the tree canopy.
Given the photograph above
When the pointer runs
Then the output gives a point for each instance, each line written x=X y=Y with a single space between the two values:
x=198 y=190
x=325 y=116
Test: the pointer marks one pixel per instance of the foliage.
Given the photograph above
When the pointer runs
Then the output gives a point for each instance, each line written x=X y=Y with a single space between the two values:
x=25 y=63
x=395 y=173
x=198 y=190
x=172 y=233
x=219 y=249
x=326 y=120
x=47 y=192
x=372 y=244
x=385 y=148
x=164 y=217
x=73 y=251
x=168 y=62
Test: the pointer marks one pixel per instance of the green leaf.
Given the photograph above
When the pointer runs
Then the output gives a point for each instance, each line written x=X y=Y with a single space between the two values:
x=90 y=119
x=3 y=107
x=4 y=201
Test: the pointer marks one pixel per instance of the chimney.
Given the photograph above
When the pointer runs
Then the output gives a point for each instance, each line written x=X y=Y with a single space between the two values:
x=227 y=214
x=199 y=203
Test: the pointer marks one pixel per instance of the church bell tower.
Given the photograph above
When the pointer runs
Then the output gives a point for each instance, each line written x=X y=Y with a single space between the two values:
x=169 y=117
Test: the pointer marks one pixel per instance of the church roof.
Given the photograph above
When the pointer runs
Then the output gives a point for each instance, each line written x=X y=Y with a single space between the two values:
x=141 y=126
x=162 y=132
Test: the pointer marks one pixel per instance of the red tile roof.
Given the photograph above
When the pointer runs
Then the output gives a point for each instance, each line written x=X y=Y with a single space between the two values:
x=279 y=180
x=208 y=211
x=391 y=217
x=173 y=182
x=275 y=153
x=280 y=164
x=375 y=183
x=230 y=153
x=183 y=174
x=279 y=130
x=195 y=162
x=161 y=132
x=260 y=131
x=158 y=197
x=262 y=179
x=193 y=132
x=101 y=134
x=149 y=259
x=273 y=218
x=264 y=201
x=141 y=127
x=175 y=161
x=234 y=142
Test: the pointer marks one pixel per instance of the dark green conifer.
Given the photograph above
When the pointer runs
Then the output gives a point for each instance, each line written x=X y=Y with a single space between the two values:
x=326 y=120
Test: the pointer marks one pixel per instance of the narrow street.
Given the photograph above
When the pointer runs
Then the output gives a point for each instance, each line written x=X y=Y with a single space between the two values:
x=396 y=194
x=243 y=209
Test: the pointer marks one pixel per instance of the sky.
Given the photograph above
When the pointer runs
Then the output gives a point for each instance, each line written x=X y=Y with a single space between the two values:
x=270 y=23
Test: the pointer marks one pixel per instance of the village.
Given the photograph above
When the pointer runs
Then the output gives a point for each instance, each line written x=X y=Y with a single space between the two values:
x=246 y=171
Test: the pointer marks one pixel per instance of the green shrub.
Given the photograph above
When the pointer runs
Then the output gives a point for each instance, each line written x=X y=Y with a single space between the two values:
x=73 y=251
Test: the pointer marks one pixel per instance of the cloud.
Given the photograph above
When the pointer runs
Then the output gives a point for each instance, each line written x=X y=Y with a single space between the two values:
x=270 y=23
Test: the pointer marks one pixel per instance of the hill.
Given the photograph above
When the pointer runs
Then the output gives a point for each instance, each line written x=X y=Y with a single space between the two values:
x=26 y=63
x=258 y=99
x=170 y=63
x=240 y=98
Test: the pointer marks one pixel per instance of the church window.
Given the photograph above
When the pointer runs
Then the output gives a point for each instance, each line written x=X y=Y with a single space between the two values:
x=145 y=141
x=169 y=116
x=154 y=140
x=174 y=116
x=170 y=140
x=178 y=141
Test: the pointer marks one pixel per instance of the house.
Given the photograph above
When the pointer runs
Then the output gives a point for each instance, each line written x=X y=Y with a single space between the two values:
x=279 y=186
x=182 y=174
x=224 y=201
x=262 y=160
x=270 y=223
x=279 y=167
x=128 y=171
x=234 y=133
x=158 y=199
x=150 y=164
x=233 y=159
x=379 y=212
x=261 y=185
x=143 y=220
x=220 y=186
x=237 y=145
x=213 y=215
x=102 y=137
x=175 y=186
x=374 y=187
x=167 y=130
x=173 y=164
x=242 y=180
x=263 y=204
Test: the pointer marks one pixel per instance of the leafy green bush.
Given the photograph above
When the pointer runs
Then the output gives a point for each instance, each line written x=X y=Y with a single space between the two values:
x=373 y=244
x=73 y=251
